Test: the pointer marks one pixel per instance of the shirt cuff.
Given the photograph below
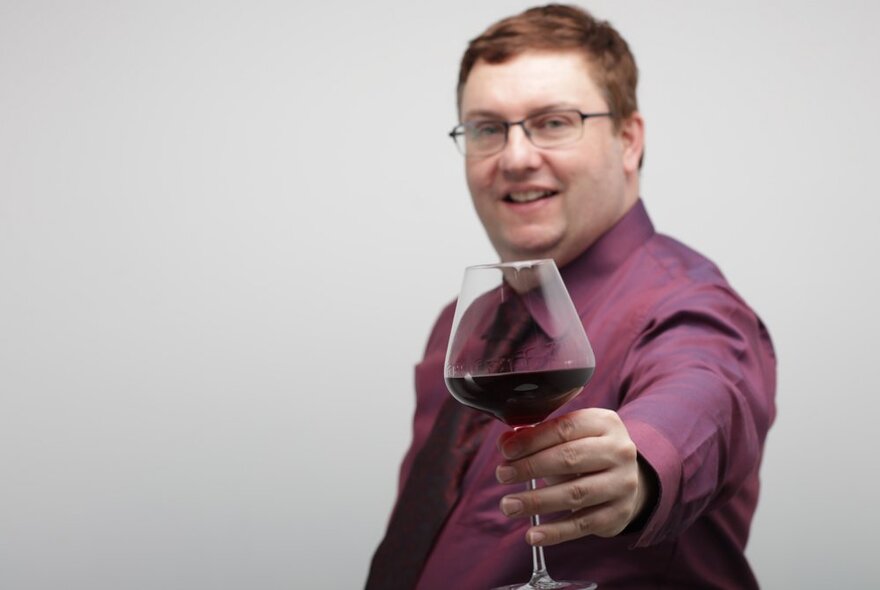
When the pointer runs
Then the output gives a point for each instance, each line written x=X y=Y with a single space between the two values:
x=664 y=459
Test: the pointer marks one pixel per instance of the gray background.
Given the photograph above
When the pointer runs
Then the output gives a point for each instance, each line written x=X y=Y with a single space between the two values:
x=226 y=228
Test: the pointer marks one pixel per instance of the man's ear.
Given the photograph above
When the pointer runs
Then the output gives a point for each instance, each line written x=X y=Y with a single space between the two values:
x=632 y=133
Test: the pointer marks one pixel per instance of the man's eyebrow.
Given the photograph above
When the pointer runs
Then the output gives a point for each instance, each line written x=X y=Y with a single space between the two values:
x=487 y=114
x=556 y=106
x=482 y=114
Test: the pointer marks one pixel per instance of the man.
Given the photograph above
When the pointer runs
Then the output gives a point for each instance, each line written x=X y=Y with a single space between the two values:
x=651 y=474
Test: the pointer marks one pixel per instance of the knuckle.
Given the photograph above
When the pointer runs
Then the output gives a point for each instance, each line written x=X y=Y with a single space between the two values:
x=552 y=536
x=570 y=457
x=578 y=494
x=609 y=419
x=603 y=526
x=603 y=414
x=532 y=503
x=527 y=468
x=565 y=427
x=611 y=522
x=582 y=413
x=628 y=451
x=583 y=524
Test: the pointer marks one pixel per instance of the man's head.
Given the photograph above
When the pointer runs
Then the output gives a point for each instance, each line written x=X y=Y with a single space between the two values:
x=560 y=28
x=551 y=202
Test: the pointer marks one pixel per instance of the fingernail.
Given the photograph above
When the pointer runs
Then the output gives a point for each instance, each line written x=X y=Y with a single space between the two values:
x=511 y=506
x=536 y=537
x=511 y=449
x=505 y=473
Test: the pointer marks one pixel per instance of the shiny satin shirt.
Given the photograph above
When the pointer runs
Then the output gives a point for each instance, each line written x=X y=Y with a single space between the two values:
x=690 y=369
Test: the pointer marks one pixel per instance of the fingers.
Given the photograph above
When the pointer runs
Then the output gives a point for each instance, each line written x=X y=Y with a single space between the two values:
x=606 y=520
x=598 y=505
x=589 y=454
x=572 y=496
x=618 y=486
x=586 y=455
x=573 y=426
x=591 y=466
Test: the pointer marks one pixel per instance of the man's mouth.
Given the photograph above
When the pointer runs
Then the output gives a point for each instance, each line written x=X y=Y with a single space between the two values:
x=528 y=196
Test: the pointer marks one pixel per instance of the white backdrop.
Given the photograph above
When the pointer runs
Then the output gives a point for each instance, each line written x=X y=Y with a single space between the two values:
x=226 y=228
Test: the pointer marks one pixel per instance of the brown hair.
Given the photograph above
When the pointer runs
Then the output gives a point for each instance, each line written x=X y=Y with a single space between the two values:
x=558 y=27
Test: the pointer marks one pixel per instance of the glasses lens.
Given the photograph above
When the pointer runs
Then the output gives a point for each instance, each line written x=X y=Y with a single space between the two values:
x=554 y=129
x=484 y=137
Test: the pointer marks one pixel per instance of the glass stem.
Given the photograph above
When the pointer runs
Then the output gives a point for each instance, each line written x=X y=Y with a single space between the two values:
x=539 y=567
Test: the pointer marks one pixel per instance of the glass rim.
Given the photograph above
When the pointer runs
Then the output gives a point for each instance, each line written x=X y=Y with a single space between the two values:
x=514 y=264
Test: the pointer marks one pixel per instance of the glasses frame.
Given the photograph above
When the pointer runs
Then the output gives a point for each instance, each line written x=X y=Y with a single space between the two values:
x=461 y=129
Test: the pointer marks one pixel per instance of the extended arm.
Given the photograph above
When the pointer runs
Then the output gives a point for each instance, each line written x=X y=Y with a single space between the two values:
x=696 y=403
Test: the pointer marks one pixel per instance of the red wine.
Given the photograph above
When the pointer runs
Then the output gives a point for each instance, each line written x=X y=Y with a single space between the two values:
x=519 y=399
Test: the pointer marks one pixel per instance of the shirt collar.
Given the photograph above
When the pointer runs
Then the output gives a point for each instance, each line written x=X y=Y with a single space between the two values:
x=584 y=275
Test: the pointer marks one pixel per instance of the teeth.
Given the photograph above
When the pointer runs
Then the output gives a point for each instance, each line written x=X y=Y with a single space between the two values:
x=529 y=196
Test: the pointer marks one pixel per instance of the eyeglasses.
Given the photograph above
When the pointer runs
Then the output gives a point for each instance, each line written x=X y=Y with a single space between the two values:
x=480 y=138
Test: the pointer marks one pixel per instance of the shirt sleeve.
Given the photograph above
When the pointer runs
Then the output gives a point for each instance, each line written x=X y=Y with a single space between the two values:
x=697 y=391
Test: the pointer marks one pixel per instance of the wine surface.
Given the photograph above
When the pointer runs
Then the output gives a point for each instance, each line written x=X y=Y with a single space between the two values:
x=519 y=399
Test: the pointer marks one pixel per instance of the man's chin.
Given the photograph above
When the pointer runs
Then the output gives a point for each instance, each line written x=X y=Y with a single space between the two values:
x=532 y=249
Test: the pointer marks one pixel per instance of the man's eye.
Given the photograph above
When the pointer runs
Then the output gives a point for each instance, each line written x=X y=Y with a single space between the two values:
x=486 y=129
x=553 y=123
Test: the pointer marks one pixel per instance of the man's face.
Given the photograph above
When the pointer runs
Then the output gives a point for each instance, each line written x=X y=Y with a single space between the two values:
x=548 y=203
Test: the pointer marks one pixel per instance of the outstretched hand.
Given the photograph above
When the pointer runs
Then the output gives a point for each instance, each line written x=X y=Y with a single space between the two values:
x=591 y=468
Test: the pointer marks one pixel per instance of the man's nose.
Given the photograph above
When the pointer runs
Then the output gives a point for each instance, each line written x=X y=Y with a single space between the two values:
x=519 y=153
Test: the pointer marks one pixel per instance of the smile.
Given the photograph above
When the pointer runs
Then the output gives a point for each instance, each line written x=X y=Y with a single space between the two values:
x=528 y=196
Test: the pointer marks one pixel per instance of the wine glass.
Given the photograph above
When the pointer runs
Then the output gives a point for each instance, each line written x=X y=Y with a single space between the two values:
x=518 y=352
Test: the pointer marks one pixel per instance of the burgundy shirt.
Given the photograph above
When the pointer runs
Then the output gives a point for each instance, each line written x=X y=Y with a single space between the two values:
x=691 y=371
